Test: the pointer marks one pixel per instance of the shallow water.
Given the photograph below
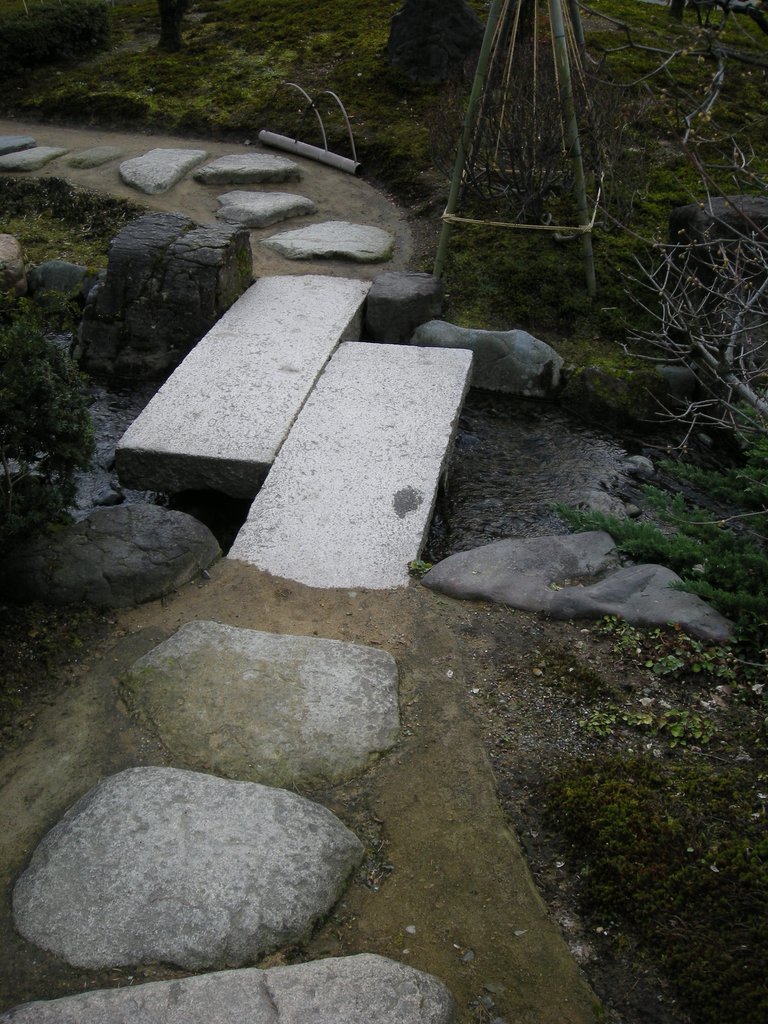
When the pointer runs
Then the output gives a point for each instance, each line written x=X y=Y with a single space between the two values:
x=512 y=460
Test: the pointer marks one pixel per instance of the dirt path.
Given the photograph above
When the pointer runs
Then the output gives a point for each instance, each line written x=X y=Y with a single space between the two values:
x=441 y=857
x=338 y=196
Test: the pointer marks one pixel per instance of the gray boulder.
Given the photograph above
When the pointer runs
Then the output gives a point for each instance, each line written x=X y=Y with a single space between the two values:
x=431 y=40
x=119 y=557
x=547 y=574
x=167 y=283
x=12 y=275
x=62 y=276
x=511 y=361
x=289 y=710
x=344 y=990
x=159 y=864
x=399 y=302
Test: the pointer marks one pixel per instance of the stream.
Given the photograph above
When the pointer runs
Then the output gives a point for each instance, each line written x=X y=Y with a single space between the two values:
x=513 y=458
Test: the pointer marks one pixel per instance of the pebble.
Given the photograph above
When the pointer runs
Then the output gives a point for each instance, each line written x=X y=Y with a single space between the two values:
x=410 y=929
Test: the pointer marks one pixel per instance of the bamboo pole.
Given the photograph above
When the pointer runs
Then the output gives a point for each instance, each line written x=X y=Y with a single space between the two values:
x=572 y=138
x=467 y=131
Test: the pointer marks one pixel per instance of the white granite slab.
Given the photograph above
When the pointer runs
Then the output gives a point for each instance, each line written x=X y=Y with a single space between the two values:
x=260 y=209
x=349 y=500
x=334 y=240
x=248 y=169
x=220 y=419
x=30 y=159
x=159 y=169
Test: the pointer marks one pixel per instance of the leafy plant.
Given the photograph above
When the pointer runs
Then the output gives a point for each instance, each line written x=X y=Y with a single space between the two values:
x=45 y=427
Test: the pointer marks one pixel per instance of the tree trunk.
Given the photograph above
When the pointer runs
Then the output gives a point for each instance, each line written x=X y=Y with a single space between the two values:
x=171 y=13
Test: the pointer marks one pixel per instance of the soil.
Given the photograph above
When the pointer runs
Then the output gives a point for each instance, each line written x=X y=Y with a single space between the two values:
x=445 y=885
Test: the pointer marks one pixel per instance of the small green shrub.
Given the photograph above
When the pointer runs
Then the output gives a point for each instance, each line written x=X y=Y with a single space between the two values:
x=45 y=427
x=51 y=32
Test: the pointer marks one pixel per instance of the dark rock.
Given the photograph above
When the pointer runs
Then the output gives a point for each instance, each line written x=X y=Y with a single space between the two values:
x=431 y=40
x=718 y=219
x=118 y=557
x=61 y=276
x=399 y=302
x=167 y=283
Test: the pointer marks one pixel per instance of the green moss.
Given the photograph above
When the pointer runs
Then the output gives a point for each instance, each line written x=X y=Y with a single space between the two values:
x=56 y=220
x=679 y=855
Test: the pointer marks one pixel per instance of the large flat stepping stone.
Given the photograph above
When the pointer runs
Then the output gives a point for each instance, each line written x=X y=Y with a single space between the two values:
x=96 y=156
x=345 y=990
x=248 y=169
x=334 y=240
x=159 y=864
x=260 y=209
x=14 y=143
x=220 y=419
x=349 y=500
x=159 y=169
x=552 y=575
x=288 y=710
x=31 y=159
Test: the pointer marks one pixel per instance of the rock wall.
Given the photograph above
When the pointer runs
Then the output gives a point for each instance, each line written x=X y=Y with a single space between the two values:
x=167 y=282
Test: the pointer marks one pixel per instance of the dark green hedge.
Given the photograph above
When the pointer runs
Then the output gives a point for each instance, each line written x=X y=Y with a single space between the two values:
x=51 y=32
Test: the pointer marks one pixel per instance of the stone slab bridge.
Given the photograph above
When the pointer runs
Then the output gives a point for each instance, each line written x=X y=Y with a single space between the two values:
x=341 y=443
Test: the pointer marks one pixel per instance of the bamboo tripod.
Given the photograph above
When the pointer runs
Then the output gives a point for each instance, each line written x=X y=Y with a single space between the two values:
x=489 y=52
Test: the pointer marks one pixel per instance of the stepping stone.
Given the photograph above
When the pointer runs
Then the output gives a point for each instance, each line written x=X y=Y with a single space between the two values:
x=334 y=240
x=30 y=159
x=13 y=143
x=159 y=169
x=220 y=419
x=289 y=710
x=162 y=865
x=94 y=157
x=259 y=209
x=343 y=990
x=248 y=169
x=349 y=500
x=550 y=575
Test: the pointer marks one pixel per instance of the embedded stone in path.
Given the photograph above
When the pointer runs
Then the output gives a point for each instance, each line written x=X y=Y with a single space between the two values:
x=283 y=710
x=546 y=574
x=30 y=159
x=96 y=156
x=220 y=419
x=248 y=169
x=159 y=864
x=343 y=990
x=115 y=556
x=159 y=169
x=334 y=240
x=349 y=500
x=259 y=209
x=14 y=143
